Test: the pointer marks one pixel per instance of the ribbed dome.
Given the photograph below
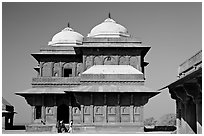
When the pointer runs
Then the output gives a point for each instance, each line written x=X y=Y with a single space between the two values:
x=108 y=28
x=65 y=37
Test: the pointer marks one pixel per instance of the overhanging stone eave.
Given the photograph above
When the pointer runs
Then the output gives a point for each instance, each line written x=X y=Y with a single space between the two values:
x=113 y=88
x=44 y=90
x=185 y=79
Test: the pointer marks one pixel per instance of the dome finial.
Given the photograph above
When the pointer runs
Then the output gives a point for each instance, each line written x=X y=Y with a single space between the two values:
x=109 y=15
x=68 y=25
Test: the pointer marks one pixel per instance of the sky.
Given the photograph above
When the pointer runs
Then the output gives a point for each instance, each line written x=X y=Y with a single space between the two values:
x=173 y=30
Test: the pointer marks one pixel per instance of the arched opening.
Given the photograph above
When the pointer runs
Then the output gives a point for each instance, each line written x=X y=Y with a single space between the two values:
x=63 y=113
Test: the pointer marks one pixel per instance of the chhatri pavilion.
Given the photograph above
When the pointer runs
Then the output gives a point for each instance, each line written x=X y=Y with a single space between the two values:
x=95 y=81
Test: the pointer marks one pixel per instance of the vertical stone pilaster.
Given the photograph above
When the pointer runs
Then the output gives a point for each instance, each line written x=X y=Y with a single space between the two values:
x=55 y=109
x=41 y=67
x=84 y=64
x=105 y=108
x=183 y=118
x=33 y=114
x=52 y=69
x=82 y=114
x=117 y=59
x=199 y=115
x=70 y=109
x=61 y=69
x=74 y=66
x=141 y=113
x=178 y=116
x=131 y=109
x=118 y=108
x=92 y=109
x=70 y=113
x=43 y=109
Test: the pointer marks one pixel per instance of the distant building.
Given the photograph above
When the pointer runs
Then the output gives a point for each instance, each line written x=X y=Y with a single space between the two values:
x=187 y=91
x=96 y=81
x=7 y=114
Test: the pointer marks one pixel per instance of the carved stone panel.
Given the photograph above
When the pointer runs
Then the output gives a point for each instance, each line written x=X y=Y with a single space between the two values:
x=136 y=118
x=46 y=69
x=123 y=60
x=49 y=110
x=125 y=110
x=79 y=68
x=76 y=110
x=56 y=69
x=98 y=60
x=68 y=65
x=125 y=113
x=137 y=114
x=89 y=62
x=136 y=110
x=134 y=62
x=87 y=114
x=98 y=110
x=99 y=114
x=86 y=110
x=110 y=61
x=76 y=115
x=112 y=114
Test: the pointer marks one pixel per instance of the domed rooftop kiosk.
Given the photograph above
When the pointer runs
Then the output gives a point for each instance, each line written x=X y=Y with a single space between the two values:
x=109 y=28
x=66 y=37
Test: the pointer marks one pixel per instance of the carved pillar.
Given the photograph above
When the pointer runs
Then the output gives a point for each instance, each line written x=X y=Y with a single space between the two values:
x=141 y=113
x=41 y=67
x=178 y=116
x=43 y=109
x=51 y=69
x=105 y=108
x=61 y=69
x=118 y=108
x=198 y=102
x=191 y=117
x=117 y=60
x=92 y=109
x=33 y=114
x=82 y=114
x=181 y=94
x=55 y=109
x=84 y=64
x=74 y=66
x=131 y=108
x=70 y=109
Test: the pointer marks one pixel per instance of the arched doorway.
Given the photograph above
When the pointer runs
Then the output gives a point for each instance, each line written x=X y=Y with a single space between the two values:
x=63 y=113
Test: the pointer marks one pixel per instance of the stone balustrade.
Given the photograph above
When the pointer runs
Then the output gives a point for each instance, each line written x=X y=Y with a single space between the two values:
x=192 y=63
x=56 y=80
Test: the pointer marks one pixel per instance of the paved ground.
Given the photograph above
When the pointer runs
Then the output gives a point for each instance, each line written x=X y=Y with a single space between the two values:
x=85 y=132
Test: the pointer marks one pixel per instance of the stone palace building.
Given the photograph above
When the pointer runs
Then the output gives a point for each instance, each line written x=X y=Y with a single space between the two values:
x=187 y=91
x=97 y=81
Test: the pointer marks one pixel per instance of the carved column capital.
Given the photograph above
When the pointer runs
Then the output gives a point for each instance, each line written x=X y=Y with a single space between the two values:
x=173 y=94
x=181 y=94
x=192 y=89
